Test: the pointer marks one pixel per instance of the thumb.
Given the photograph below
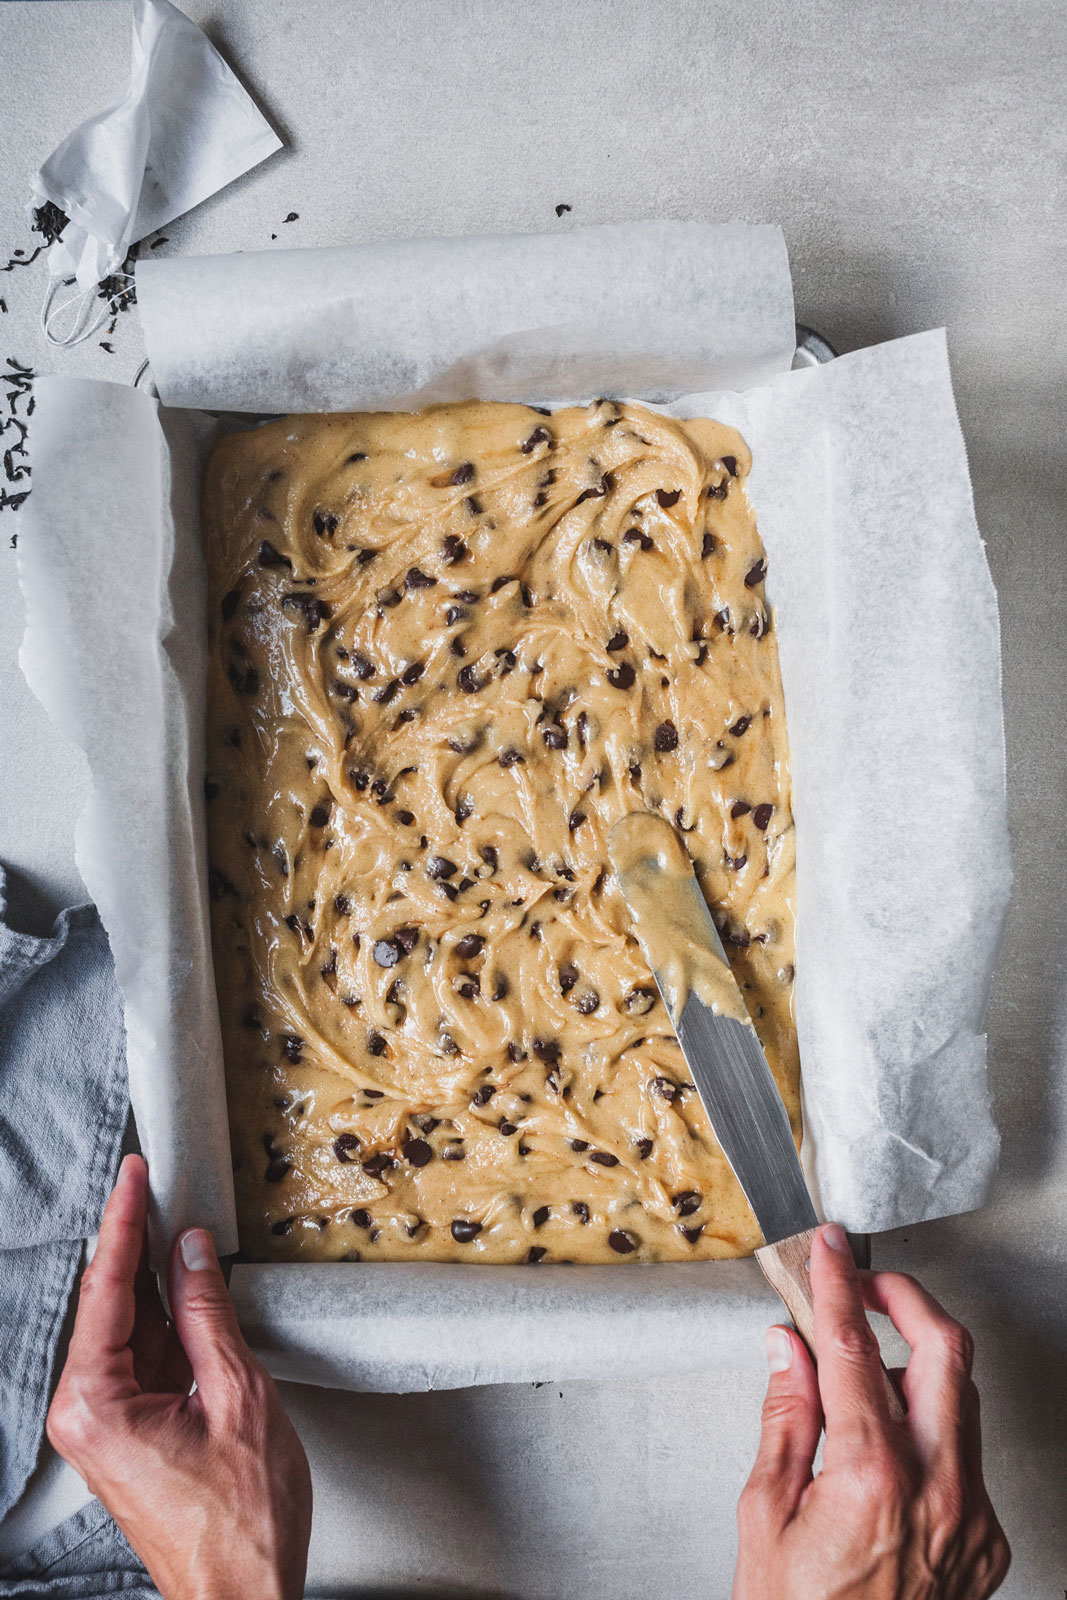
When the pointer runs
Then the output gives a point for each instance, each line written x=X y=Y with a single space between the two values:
x=792 y=1423
x=203 y=1312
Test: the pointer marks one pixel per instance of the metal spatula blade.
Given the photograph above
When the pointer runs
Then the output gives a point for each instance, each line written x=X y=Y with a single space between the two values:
x=725 y=1060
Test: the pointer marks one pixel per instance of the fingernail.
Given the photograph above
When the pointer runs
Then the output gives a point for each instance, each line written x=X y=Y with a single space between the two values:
x=779 y=1350
x=834 y=1235
x=197 y=1250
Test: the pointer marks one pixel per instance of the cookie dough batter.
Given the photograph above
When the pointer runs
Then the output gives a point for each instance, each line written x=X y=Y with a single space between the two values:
x=448 y=653
x=670 y=917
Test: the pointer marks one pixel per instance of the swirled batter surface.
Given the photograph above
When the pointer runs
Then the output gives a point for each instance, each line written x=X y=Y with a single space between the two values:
x=449 y=652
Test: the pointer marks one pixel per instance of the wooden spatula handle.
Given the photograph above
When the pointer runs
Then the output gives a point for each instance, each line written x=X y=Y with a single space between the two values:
x=785 y=1266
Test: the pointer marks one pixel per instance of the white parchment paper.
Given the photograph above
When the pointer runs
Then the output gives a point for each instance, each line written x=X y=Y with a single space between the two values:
x=890 y=656
x=653 y=308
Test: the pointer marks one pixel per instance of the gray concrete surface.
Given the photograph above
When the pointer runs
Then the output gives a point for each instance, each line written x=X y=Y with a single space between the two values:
x=915 y=156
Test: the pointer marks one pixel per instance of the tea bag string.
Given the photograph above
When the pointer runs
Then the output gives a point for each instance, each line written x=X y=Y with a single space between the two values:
x=83 y=324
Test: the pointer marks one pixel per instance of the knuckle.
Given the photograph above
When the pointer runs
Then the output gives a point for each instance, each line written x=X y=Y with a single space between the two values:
x=783 y=1411
x=852 y=1340
x=71 y=1424
x=879 y=1479
x=999 y=1557
x=957 y=1346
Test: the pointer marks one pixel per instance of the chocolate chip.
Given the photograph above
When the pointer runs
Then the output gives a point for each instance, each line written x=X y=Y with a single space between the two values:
x=740 y=808
x=407 y=939
x=468 y=680
x=482 y=1096
x=386 y=953
x=417 y=1151
x=375 y=1043
x=540 y=1216
x=413 y=673
x=246 y=682
x=344 y=1145
x=464 y=808
x=277 y=1170
x=464 y=1230
x=510 y=757
x=464 y=473
x=604 y=1158
x=575 y=820
x=740 y=938
x=687 y=1202
x=418 y=580
x=730 y=463
x=366 y=556
x=229 y=604
x=756 y=574
x=472 y=944
x=292 y=1046
x=581 y=1211
x=762 y=816
x=579 y=1144
x=568 y=976
x=665 y=737
x=546 y=1050
x=507 y=1129
x=741 y=726
x=640 y=1000
x=735 y=863
x=555 y=738
x=666 y=1088
x=453 y=549
x=270 y=557
x=644 y=1148
x=618 y=641
x=283 y=1226
x=692 y=1234
x=489 y=856
x=537 y=1253
x=607 y=482
x=320 y=815
x=441 y=867
x=717 y=491
x=325 y=524
x=514 y=1052
x=539 y=436
x=357 y=455
x=622 y=677
x=251 y=1018
x=375 y=1165
x=454 y=614
x=588 y=1002
x=454 y=1151
x=668 y=497
x=635 y=536
x=361 y=1218
x=708 y=547
x=621 y=1242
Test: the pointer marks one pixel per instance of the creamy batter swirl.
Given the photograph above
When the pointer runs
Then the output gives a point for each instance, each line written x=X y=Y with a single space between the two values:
x=448 y=653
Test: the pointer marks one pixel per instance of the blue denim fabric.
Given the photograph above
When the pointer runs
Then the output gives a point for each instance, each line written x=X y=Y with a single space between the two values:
x=64 y=1102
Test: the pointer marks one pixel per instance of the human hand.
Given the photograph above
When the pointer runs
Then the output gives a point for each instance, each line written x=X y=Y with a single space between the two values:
x=212 y=1489
x=900 y=1509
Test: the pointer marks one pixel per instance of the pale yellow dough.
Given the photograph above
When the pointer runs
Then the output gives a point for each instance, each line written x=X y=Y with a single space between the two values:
x=448 y=653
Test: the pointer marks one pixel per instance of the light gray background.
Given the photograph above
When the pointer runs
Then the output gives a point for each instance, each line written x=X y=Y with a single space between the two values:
x=915 y=156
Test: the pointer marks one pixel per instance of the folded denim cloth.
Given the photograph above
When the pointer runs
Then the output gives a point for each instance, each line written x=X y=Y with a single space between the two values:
x=64 y=1103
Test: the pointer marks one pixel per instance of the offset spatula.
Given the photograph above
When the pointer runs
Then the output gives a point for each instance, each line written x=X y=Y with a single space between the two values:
x=723 y=1053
